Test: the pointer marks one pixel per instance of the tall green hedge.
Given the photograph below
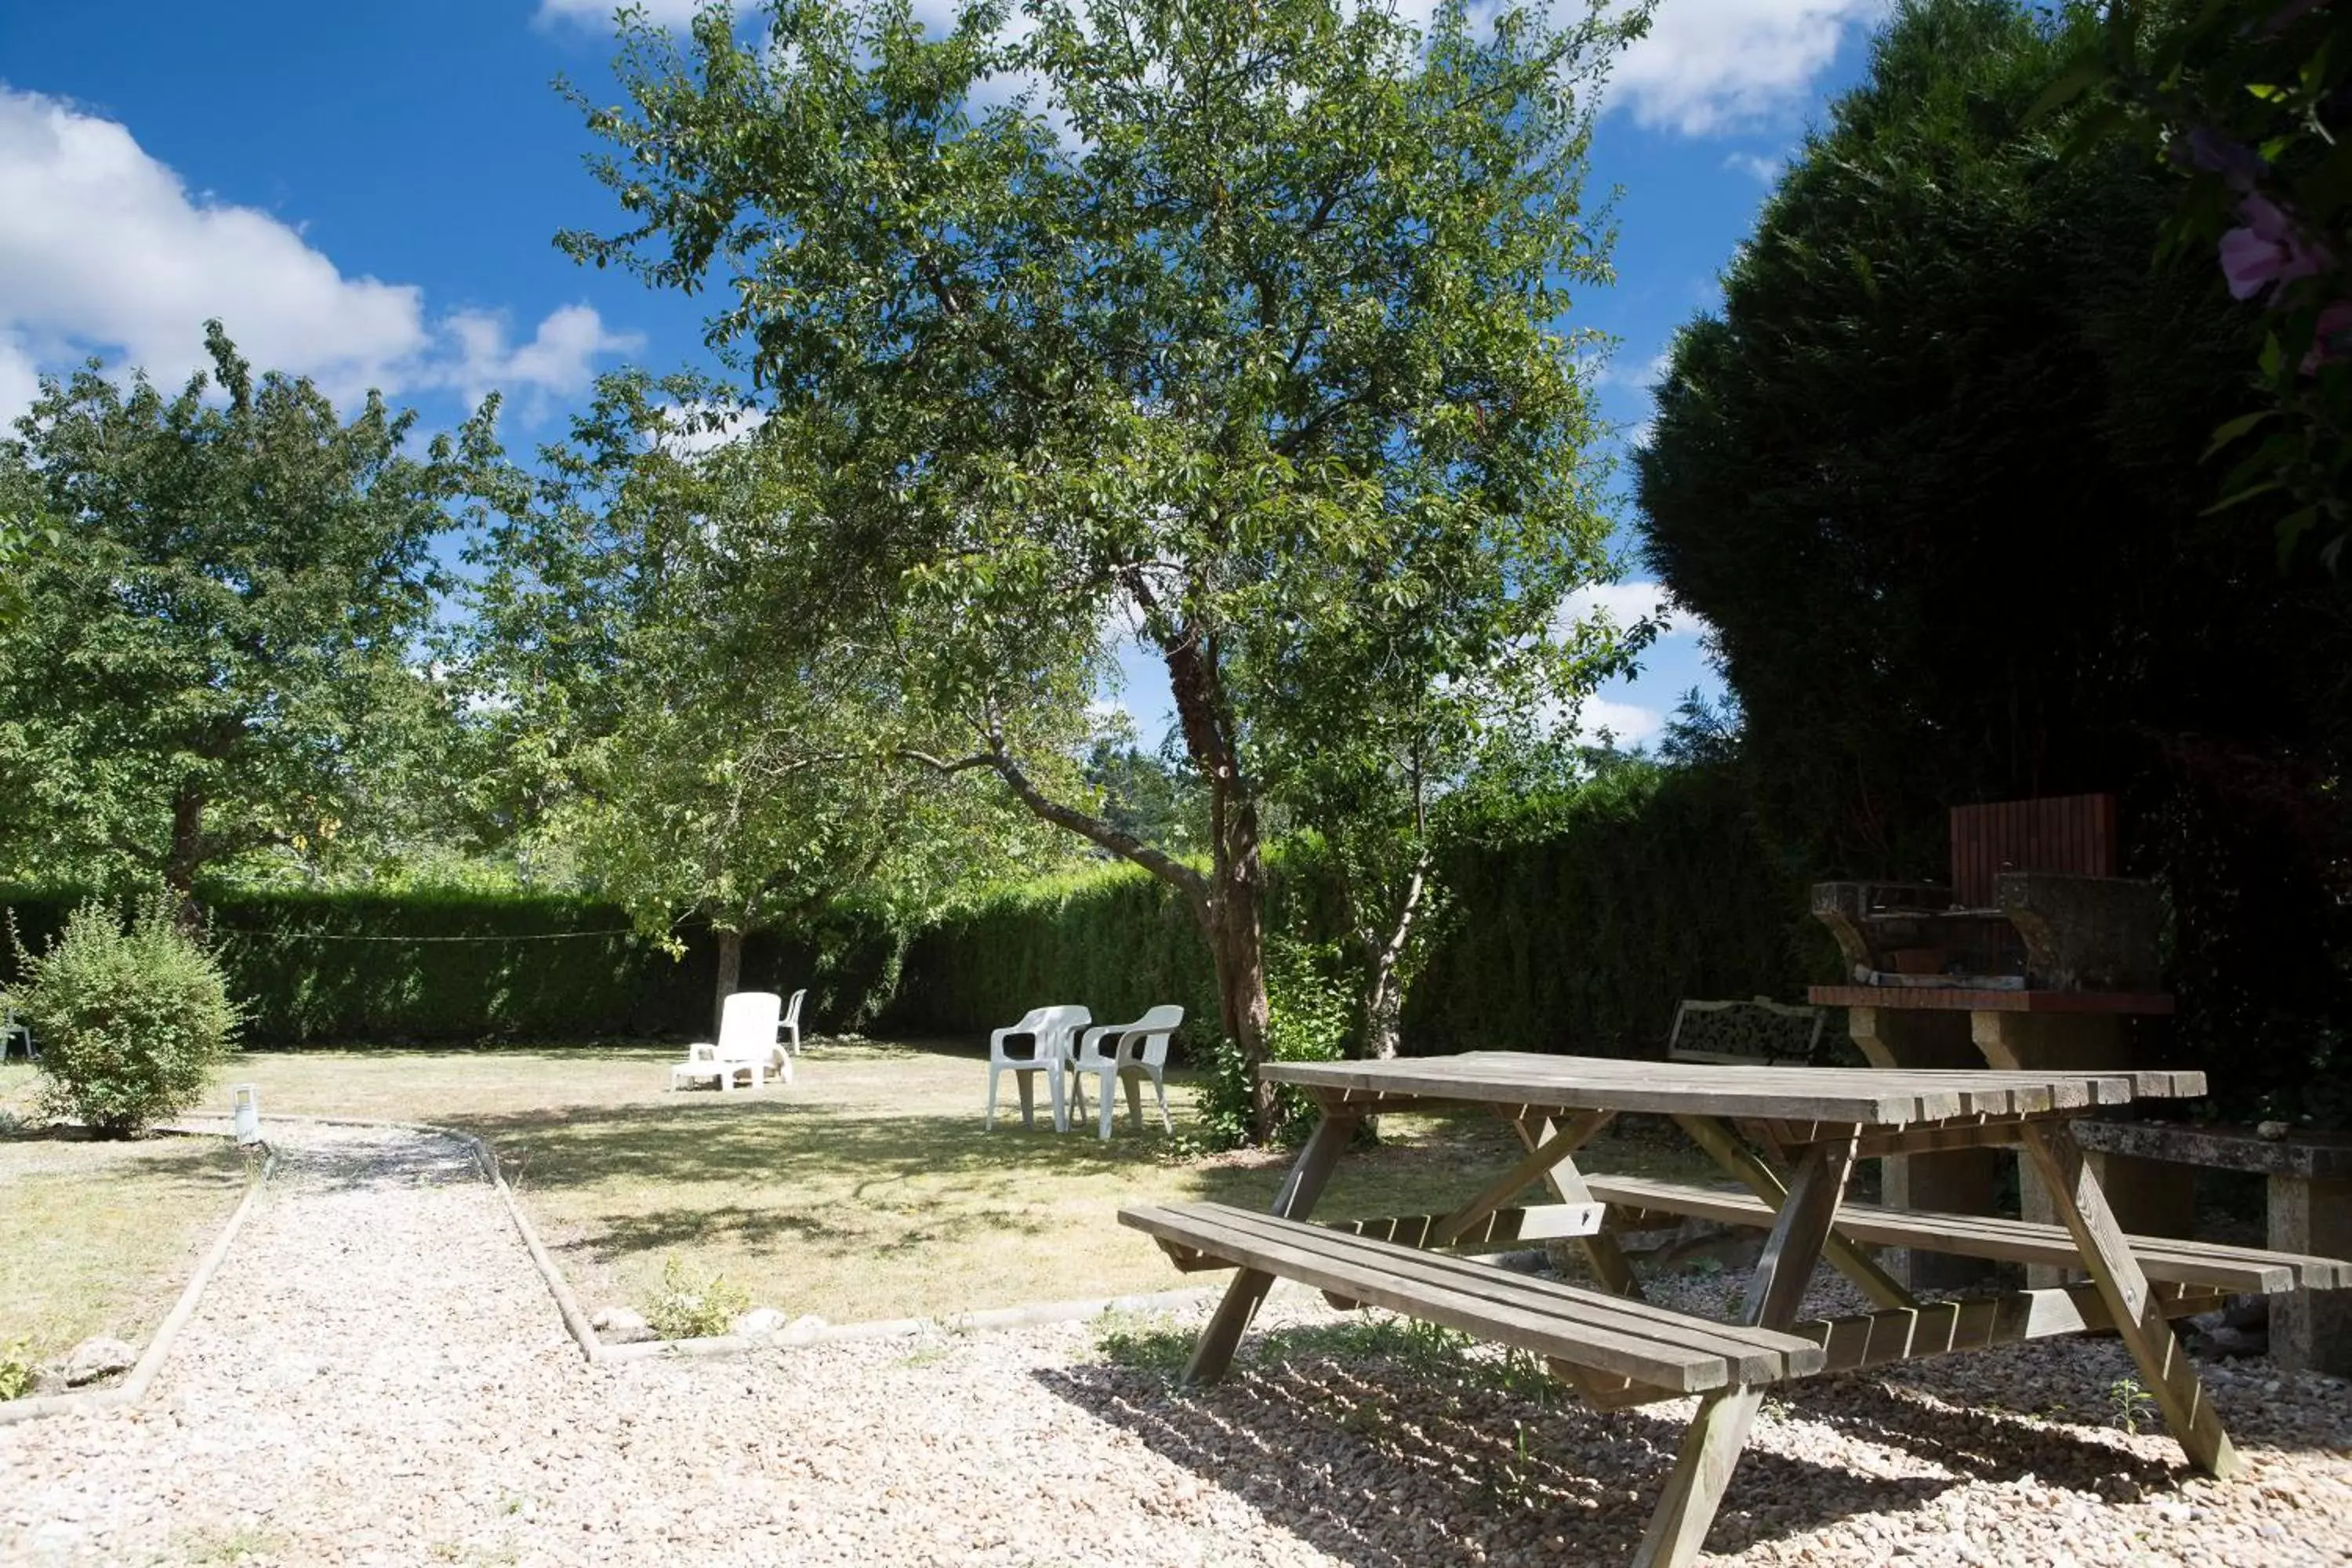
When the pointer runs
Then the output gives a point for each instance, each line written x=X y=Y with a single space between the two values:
x=1578 y=922
x=386 y=969
x=1116 y=939
x=1581 y=921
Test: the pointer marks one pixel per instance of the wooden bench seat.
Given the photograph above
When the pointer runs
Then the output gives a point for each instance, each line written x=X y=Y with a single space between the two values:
x=1601 y=1334
x=2167 y=1260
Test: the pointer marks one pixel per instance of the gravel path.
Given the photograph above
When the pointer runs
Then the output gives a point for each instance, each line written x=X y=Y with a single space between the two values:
x=378 y=1376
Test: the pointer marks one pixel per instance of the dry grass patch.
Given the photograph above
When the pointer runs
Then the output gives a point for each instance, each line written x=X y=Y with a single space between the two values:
x=101 y=1237
x=865 y=1190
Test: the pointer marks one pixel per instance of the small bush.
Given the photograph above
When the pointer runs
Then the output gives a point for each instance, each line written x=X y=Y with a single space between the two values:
x=1309 y=1016
x=694 y=1306
x=132 y=1016
x=16 y=1369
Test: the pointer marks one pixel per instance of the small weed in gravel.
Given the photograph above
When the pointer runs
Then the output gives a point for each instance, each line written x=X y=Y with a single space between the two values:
x=692 y=1306
x=237 y=1545
x=16 y=1369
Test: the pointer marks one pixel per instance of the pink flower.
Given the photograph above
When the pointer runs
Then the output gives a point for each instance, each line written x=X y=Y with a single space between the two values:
x=2331 y=339
x=2268 y=251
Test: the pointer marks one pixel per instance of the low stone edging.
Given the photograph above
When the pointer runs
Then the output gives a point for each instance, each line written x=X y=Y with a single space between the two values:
x=131 y=1389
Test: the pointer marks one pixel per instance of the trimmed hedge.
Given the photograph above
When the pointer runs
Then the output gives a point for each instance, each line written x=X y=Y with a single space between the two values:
x=1117 y=938
x=1584 y=920
x=357 y=968
x=1579 y=921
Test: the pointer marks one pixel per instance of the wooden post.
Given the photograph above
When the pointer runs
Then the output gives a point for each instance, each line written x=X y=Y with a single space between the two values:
x=1602 y=1254
x=2311 y=1331
x=2138 y=1313
x=2149 y=1198
x=1961 y=1181
x=1712 y=1135
x=1308 y=1173
x=1702 y=1469
x=1777 y=1289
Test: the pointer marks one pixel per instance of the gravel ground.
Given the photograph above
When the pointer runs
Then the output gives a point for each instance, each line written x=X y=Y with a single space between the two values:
x=378 y=1376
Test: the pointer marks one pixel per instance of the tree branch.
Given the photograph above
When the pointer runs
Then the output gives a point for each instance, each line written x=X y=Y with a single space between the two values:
x=1095 y=830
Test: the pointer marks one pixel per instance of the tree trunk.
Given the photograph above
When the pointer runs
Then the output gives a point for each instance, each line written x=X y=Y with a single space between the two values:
x=730 y=976
x=187 y=857
x=1232 y=915
x=1384 y=956
x=1233 y=920
x=1383 y=1012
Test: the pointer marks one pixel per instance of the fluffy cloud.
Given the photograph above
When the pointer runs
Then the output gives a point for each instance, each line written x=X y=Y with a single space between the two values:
x=599 y=14
x=1629 y=724
x=105 y=250
x=1711 y=66
x=1622 y=604
x=1757 y=167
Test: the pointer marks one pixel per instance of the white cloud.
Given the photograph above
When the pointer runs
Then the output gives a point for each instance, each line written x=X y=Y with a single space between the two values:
x=600 y=13
x=1711 y=66
x=105 y=250
x=693 y=428
x=1629 y=723
x=1622 y=604
x=1644 y=377
x=1756 y=166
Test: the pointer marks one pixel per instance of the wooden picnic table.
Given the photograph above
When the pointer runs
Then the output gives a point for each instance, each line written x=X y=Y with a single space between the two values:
x=1618 y=1350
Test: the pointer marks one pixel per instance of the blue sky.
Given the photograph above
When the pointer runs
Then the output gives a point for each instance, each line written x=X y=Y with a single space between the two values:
x=368 y=194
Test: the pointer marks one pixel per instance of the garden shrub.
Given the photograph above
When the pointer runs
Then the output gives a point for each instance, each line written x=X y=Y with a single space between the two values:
x=692 y=1306
x=16 y=1369
x=132 y=1016
x=1311 y=1017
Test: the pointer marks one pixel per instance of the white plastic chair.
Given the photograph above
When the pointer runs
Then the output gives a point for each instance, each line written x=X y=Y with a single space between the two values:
x=1139 y=1050
x=1051 y=1032
x=792 y=1026
x=747 y=1043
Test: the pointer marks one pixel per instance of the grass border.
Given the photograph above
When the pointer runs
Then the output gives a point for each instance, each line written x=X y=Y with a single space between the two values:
x=131 y=1389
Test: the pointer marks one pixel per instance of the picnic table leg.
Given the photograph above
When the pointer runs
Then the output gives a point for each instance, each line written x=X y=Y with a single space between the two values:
x=1602 y=1255
x=1710 y=1134
x=1799 y=1232
x=1711 y=1448
x=2138 y=1317
x=1297 y=1199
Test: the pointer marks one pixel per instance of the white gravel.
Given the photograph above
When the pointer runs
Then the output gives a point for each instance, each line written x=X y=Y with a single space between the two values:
x=377 y=1375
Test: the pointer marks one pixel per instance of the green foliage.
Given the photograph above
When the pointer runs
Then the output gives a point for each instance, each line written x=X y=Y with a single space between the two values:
x=690 y=1305
x=1242 y=326
x=2130 y=1402
x=2248 y=102
x=1111 y=937
x=1310 y=1018
x=648 y=719
x=1588 y=912
x=1979 y=567
x=215 y=656
x=132 y=1016
x=369 y=968
x=16 y=1369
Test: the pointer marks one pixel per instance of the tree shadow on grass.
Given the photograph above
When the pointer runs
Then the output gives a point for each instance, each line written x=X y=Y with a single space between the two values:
x=1409 y=1453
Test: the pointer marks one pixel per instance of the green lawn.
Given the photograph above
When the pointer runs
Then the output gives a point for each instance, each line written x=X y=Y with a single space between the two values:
x=100 y=1238
x=865 y=1190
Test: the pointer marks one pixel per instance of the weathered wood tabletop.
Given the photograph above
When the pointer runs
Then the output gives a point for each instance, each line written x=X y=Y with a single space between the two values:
x=1869 y=1097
